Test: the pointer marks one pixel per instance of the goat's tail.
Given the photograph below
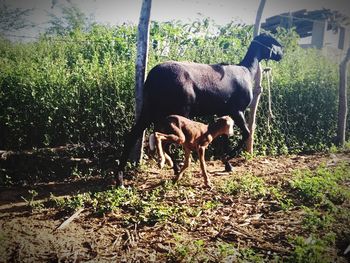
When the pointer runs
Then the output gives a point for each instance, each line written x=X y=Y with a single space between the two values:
x=152 y=142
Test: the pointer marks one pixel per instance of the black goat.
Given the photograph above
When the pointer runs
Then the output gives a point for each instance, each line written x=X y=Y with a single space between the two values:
x=193 y=89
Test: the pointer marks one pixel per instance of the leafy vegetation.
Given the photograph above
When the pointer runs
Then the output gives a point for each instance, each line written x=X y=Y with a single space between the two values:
x=77 y=85
x=321 y=187
x=245 y=184
x=313 y=250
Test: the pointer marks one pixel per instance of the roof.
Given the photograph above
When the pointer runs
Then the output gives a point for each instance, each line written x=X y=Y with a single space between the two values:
x=303 y=21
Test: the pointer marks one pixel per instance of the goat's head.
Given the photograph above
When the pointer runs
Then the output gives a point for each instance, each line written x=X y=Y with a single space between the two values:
x=222 y=125
x=269 y=46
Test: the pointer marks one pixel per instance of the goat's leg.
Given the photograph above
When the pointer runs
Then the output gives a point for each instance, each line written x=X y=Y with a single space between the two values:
x=160 y=137
x=172 y=156
x=226 y=145
x=130 y=142
x=168 y=156
x=168 y=160
x=201 y=155
x=177 y=137
x=185 y=166
x=239 y=119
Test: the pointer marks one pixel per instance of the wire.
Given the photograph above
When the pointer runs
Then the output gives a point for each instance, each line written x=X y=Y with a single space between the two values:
x=300 y=18
x=56 y=40
x=19 y=36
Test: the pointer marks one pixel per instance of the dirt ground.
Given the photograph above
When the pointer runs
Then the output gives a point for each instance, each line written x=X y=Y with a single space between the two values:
x=259 y=224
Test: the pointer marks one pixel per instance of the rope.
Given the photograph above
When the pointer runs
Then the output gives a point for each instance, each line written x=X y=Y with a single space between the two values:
x=268 y=72
x=263 y=45
x=271 y=49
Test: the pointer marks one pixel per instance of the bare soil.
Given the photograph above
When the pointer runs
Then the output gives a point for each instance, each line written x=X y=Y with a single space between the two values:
x=28 y=235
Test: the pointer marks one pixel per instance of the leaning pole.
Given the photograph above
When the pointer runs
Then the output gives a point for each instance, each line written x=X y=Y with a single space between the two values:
x=140 y=72
x=257 y=87
x=343 y=106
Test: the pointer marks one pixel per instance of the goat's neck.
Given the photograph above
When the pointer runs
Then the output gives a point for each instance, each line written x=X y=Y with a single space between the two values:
x=214 y=134
x=251 y=61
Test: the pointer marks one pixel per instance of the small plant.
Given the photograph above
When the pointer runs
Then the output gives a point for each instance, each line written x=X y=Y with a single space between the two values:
x=75 y=202
x=333 y=149
x=211 y=204
x=181 y=250
x=248 y=156
x=76 y=173
x=249 y=255
x=346 y=147
x=33 y=205
x=225 y=252
x=285 y=202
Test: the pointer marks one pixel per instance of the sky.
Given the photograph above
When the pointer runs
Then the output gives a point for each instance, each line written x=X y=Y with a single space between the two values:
x=115 y=12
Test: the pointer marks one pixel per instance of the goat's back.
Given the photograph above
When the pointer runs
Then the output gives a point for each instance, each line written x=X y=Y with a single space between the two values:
x=181 y=126
x=194 y=89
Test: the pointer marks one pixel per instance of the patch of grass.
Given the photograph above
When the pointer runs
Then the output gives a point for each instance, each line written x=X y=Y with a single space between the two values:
x=72 y=203
x=225 y=252
x=335 y=149
x=313 y=250
x=245 y=184
x=101 y=202
x=321 y=187
x=111 y=200
x=137 y=207
x=249 y=255
x=199 y=250
x=186 y=250
x=281 y=197
x=315 y=220
x=152 y=213
x=248 y=156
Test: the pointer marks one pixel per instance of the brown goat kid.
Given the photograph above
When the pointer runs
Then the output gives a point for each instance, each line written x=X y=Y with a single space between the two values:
x=194 y=136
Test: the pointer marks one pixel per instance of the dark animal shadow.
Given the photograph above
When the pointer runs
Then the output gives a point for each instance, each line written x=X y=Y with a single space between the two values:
x=13 y=199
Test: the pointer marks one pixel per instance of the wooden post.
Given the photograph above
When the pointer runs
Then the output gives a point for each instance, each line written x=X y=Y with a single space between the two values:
x=257 y=86
x=141 y=66
x=343 y=107
x=258 y=18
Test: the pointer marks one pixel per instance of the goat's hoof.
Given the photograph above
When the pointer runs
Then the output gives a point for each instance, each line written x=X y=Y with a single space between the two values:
x=228 y=167
x=176 y=178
